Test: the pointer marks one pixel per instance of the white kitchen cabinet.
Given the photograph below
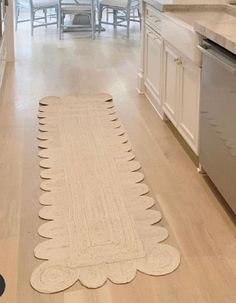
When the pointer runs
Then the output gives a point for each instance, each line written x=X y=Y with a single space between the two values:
x=171 y=84
x=169 y=73
x=181 y=87
x=153 y=67
x=189 y=96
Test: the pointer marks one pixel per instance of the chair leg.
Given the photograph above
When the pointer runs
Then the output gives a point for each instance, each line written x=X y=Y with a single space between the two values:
x=139 y=16
x=128 y=22
x=57 y=16
x=93 y=23
x=45 y=17
x=100 y=19
x=114 y=18
x=59 y=25
x=17 y=12
x=107 y=14
x=32 y=15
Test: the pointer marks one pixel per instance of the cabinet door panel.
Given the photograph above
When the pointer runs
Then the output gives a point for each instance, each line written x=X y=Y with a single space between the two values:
x=189 y=104
x=153 y=63
x=171 y=80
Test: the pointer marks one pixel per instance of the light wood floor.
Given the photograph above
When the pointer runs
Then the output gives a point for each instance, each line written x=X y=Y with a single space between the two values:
x=199 y=224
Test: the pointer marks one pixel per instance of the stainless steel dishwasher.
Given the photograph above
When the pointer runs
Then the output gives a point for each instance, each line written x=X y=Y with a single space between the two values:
x=218 y=119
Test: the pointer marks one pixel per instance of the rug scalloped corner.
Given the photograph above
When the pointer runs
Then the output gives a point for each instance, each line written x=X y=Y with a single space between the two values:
x=100 y=221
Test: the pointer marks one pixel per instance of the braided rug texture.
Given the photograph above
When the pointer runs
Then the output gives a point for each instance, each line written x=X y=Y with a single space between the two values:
x=99 y=222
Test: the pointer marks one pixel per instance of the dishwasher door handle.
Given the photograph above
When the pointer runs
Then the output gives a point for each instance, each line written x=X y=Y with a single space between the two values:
x=208 y=51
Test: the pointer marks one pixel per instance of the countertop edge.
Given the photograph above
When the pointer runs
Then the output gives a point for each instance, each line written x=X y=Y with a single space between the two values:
x=183 y=7
x=219 y=39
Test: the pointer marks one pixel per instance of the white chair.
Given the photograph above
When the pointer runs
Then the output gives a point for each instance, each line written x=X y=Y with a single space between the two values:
x=42 y=6
x=20 y=5
x=78 y=8
x=123 y=12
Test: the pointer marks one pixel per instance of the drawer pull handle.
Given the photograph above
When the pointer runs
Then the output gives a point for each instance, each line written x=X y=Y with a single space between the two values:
x=178 y=61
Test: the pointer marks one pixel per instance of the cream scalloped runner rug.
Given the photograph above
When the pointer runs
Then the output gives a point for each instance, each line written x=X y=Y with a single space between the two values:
x=100 y=225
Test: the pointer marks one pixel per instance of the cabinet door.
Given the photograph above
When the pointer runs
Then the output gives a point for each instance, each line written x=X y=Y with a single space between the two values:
x=171 y=82
x=188 y=124
x=153 y=64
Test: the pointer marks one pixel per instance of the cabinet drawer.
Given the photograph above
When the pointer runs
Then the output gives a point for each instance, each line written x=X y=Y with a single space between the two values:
x=153 y=18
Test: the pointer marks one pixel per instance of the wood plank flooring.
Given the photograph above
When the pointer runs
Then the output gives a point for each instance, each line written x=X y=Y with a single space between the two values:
x=199 y=224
